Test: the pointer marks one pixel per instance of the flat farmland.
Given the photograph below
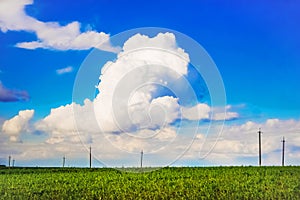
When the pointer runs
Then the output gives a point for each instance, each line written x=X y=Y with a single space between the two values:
x=166 y=183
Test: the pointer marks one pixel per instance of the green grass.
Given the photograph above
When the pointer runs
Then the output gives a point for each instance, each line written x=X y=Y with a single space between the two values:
x=167 y=183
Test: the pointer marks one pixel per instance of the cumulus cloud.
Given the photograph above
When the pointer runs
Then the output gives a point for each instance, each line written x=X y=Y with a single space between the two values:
x=65 y=70
x=16 y=125
x=51 y=35
x=8 y=95
x=62 y=126
x=126 y=99
x=197 y=112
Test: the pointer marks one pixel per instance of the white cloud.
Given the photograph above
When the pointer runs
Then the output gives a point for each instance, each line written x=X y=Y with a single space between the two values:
x=64 y=126
x=128 y=84
x=59 y=119
x=197 y=112
x=164 y=109
x=51 y=35
x=65 y=70
x=14 y=126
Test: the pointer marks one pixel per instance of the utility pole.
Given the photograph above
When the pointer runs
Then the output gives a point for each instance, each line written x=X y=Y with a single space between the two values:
x=283 y=142
x=9 y=159
x=259 y=146
x=64 y=161
x=90 y=157
x=142 y=153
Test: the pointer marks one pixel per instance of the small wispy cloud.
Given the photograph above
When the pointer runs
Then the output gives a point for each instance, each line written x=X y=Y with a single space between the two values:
x=65 y=70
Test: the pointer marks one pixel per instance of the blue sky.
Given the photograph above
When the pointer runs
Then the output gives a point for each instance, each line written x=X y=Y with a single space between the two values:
x=254 y=44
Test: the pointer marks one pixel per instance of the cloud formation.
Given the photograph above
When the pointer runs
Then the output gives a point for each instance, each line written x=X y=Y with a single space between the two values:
x=16 y=125
x=61 y=125
x=127 y=85
x=51 y=35
x=8 y=95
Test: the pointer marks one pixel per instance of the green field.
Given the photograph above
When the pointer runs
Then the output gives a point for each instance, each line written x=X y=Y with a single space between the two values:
x=167 y=183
